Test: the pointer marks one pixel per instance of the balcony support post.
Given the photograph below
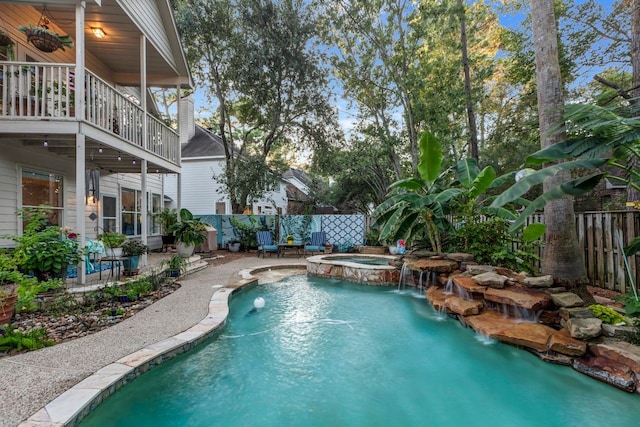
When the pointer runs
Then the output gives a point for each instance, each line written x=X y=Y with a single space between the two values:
x=80 y=139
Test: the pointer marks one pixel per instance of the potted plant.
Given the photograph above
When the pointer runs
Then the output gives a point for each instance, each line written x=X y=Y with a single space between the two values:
x=113 y=243
x=189 y=231
x=43 y=38
x=131 y=250
x=14 y=287
x=289 y=238
x=176 y=265
x=5 y=40
x=45 y=250
x=168 y=218
x=234 y=245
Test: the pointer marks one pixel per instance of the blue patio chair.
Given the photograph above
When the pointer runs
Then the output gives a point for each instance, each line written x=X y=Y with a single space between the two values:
x=265 y=243
x=317 y=243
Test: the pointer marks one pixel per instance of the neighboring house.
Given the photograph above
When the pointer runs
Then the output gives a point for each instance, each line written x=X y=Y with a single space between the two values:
x=298 y=190
x=77 y=126
x=203 y=159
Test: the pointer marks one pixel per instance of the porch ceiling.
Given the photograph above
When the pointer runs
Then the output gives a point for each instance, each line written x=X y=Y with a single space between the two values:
x=120 y=50
x=107 y=160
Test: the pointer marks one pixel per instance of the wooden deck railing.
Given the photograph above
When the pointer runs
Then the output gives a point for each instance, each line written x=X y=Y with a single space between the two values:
x=47 y=91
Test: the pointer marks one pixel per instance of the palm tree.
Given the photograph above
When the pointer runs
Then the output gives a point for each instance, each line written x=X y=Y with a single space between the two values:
x=562 y=258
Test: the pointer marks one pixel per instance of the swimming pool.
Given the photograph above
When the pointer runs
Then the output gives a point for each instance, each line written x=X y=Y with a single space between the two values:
x=325 y=352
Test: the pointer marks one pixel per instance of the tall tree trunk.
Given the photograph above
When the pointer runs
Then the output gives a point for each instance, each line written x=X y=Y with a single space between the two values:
x=633 y=194
x=562 y=257
x=473 y=129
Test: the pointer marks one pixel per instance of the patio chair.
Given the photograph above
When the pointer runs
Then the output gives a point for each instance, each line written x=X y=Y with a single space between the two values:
x=317 y=243
x=265 y=243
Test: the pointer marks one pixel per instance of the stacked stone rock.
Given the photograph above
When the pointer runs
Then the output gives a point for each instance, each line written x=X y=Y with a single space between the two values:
x=565 y=332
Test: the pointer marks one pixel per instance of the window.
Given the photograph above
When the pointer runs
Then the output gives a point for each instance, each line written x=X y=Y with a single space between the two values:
x=154 y=218
x=109 y=216
x=131 y=216
x=131 y=205
x=42 y=188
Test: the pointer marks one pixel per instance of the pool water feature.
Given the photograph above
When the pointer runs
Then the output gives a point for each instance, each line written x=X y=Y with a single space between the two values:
x=324 y=352
x=369 y=269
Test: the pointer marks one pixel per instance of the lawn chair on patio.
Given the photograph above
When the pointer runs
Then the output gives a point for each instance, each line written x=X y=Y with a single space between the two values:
x=265 y=243
x=317 y=243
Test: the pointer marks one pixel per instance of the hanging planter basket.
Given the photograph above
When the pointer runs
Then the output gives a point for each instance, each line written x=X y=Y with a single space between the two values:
x=44 y=41
x=5 y=40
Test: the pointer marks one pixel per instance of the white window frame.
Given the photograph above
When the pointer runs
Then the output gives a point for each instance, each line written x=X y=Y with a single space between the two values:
x=37 y=170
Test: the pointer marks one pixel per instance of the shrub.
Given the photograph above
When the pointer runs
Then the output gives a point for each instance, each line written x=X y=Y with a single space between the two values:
x=606 y=314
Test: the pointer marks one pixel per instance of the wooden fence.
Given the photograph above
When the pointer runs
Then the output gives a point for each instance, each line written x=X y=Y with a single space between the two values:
x=602 y=236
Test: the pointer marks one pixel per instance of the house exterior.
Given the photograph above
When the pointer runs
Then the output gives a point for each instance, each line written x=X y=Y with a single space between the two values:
x=203 y=159
x=77 y=129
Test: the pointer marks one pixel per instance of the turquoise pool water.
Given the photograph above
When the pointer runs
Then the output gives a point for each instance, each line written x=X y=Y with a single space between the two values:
x=330 y=353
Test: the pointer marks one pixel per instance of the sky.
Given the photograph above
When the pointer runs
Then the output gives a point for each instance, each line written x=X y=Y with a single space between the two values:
x=347 y=116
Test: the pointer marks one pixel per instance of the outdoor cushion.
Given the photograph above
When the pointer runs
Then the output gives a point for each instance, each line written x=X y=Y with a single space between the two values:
x=265 y=243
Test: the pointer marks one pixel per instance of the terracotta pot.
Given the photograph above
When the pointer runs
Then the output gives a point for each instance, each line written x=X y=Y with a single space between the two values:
x=6 y=308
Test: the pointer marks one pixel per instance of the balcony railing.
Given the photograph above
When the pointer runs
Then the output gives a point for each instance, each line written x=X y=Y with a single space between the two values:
x=47 y=91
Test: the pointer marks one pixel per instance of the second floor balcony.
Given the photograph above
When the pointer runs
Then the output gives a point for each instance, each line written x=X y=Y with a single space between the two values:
x=44 y=91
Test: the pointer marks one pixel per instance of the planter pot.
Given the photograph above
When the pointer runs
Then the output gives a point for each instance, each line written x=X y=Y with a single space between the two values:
x=234 y=247
x=113 y=252
x=393 y=250
x=328 y=249
x=130 y=263
x=184 y=249
x=6 y=308
x=172 y=273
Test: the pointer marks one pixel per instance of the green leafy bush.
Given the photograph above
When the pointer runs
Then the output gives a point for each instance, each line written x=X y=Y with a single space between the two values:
x=33 y=339
x=606 y=314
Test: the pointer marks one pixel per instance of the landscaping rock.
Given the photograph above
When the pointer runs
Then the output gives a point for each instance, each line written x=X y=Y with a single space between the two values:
x=538 y=282
x=576 y=312
x=617 y=331
x=562 y=342
x=607 y=370
x=567 y=299
x=491 y=279
x=584 y=329
x=460 y=257
x=479 y=269
x=463 y=307
x=469 y=284
x=619 y=351
x=430 y=264
x=519 y=297
x=530 y=335
x=489 y=323
x=437 y=297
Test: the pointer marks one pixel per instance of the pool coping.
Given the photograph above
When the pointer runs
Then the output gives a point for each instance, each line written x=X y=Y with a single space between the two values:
x=70 y=407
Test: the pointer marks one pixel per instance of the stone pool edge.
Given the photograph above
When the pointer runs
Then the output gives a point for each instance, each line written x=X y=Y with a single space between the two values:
x=70 y=407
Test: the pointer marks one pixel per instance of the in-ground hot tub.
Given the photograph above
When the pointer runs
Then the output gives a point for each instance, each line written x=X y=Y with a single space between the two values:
x=365 y=269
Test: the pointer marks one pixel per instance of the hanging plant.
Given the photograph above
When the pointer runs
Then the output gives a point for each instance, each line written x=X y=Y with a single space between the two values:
x=5 y=40
x=43 y=38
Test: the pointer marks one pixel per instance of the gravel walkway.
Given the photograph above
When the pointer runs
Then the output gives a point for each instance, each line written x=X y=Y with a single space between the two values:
x=31 y=380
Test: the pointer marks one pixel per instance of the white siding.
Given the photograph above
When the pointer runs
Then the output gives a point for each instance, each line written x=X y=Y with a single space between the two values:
x=146 y=15
x=199 y=190
x=271 y=201
x=14 y=155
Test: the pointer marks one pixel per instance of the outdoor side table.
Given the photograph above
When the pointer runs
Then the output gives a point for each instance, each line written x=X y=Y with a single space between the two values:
x=283 y=247
x=116 y=263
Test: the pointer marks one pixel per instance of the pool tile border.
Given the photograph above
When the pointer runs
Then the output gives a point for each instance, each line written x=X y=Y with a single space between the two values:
x=76 y=403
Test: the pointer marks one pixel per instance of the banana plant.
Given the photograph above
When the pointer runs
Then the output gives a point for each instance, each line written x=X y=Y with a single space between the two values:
x=420 y=206
x=603 y=140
